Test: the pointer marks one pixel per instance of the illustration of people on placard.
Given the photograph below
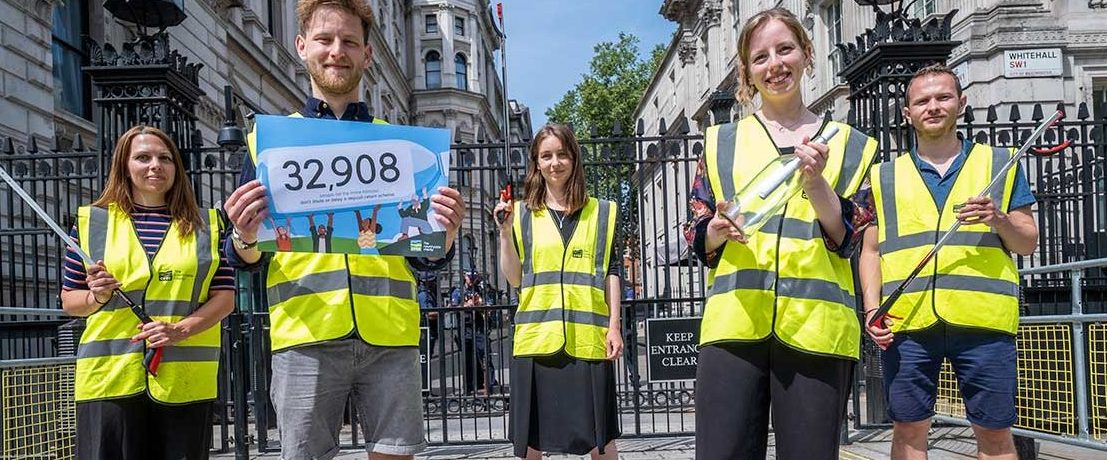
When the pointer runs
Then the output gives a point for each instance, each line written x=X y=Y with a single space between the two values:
x=414 y=220
x=321 y=236
x=283 y=234
x=367 y=229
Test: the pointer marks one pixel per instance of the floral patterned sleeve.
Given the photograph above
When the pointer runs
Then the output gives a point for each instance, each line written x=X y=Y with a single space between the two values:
x=702 y=206
x=858 y=213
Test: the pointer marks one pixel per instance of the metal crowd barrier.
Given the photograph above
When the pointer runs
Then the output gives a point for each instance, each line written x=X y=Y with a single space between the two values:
x=1062 y=364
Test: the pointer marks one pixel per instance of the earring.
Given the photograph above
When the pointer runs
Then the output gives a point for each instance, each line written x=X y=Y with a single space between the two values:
x=811 y=68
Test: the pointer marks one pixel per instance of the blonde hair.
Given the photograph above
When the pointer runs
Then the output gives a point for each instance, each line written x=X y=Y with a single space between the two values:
x=534 y=186
x=305 y=12
x=119 y=190
x=746 y=90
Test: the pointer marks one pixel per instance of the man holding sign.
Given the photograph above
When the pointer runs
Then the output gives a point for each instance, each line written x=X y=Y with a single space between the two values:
x=340 y=324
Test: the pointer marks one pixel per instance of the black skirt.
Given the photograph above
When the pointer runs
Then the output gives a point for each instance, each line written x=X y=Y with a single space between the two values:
x=562 y=404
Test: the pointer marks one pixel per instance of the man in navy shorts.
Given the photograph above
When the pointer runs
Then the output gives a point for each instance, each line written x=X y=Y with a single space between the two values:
x=964 y=305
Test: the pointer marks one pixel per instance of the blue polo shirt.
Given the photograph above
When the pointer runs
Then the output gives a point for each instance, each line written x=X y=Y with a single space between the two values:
x=940 y=186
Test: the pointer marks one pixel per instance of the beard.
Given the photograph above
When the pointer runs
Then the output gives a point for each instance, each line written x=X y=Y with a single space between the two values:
x=331 y=83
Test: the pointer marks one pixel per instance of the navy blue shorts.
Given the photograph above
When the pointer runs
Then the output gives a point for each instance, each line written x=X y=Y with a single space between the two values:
x=984 y=362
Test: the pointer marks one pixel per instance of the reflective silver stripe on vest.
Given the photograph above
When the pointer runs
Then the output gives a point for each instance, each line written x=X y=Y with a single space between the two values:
x=851 y=161
x=724 y=159
x=169 y=307
x=815 y=289
x=743 y=279
x=1000 y=156
x=382 y=286
x=956 y=282
x=554 y=278
x=793 y=228
x=116 y=303
x=888 y=201
x=97 y=232
x=190 y=354
x=525 y=217
x=102 y=348
x=973 y=239
x=555 y=314
x=203 y=257
x=314 y=283
x=601 y=239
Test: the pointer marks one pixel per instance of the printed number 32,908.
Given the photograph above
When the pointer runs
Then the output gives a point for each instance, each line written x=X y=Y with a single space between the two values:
x=363 y=167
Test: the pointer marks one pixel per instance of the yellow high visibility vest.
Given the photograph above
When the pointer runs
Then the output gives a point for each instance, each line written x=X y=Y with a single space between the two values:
x=783 y=282
x=170 y=286
x=972 y=281
x=562 y=302
x=319 y=297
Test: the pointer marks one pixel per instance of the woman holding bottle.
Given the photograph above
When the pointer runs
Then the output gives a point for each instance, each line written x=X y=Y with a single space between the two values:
x=780 y=332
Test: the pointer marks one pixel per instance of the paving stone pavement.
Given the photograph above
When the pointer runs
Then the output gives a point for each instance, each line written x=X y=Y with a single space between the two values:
x=946 y=444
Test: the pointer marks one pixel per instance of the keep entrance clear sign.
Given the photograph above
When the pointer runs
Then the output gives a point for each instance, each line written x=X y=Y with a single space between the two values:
x=672 y=348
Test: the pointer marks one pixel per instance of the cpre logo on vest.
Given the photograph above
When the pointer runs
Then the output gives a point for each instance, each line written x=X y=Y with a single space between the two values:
x=170 y=275
x=578 y=253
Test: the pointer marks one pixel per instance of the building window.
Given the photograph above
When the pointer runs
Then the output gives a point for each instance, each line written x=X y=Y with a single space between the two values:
x=432 y=23
x=274 y=17
x=833 y=18
x=924 y=8
x=461 y=69
x=434 y=70
x=459 y=26
x=70 y=84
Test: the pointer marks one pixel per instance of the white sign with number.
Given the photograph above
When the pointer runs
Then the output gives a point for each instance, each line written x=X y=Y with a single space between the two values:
x=334 y=176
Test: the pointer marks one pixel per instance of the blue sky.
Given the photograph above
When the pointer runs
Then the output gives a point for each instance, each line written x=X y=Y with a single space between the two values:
x=549 y=42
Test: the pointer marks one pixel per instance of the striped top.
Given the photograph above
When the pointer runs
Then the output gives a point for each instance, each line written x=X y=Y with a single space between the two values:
x=151 y=224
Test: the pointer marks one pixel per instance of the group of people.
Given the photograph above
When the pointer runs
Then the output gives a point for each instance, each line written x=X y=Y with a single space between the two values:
x=780 y=332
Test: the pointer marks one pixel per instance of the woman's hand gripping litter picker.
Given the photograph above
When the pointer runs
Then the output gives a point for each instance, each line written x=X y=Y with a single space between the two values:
x=877 y=319
x=153 y=355
x=504 y=208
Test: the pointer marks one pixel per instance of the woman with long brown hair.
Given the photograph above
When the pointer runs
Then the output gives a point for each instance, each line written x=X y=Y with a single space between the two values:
x=151 y=241
x=557 y=246
x=779 y=334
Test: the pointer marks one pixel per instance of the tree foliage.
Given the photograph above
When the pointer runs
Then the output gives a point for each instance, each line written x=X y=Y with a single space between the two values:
x=610 y=91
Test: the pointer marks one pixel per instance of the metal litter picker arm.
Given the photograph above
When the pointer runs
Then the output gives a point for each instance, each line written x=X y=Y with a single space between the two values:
x=152 y=358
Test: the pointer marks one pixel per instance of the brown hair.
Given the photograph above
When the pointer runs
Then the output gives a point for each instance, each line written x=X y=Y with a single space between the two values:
x=305 y=12
x=932 y=69
x=746 y=91
x=182 y=203
x=534 y=186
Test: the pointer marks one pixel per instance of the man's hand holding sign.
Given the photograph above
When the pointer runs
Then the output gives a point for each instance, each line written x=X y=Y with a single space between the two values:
x=314 y=171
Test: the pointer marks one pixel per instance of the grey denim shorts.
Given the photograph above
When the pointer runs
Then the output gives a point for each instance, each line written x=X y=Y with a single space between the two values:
x=311 y=385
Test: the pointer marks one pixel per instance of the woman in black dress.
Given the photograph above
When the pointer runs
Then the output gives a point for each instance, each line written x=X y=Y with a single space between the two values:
x=557 y=245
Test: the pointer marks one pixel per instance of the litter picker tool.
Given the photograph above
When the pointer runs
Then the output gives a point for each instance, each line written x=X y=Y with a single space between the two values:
x=152 y=358
x=997 y=180
x=505 y=194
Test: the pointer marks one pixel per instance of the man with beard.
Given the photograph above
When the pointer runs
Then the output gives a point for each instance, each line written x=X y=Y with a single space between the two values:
x=964 y=307
x=340 y=325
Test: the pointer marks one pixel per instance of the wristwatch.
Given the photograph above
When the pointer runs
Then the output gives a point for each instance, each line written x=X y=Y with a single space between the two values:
x=239 y=243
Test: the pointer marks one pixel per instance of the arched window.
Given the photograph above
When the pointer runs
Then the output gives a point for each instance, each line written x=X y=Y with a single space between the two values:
x=434 y=70
x=462 y=72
